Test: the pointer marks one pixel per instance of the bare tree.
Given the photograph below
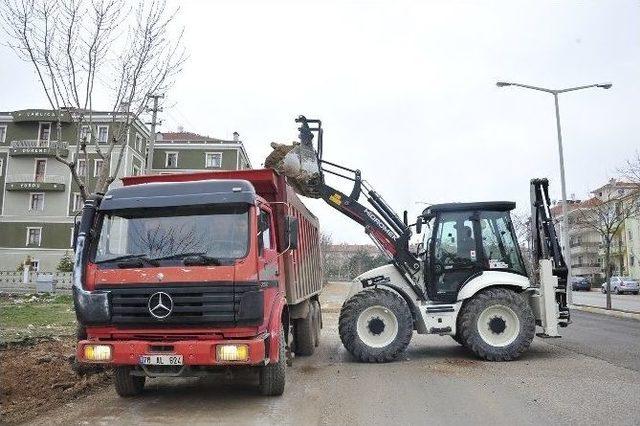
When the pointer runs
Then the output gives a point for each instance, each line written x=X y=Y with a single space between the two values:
x=326 y=241
x=82 y=50
x=606 y=217
x=631 y=170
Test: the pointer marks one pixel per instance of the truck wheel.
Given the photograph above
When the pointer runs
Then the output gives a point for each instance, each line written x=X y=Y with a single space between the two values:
x=304 y=335
x=375 y=325
x=497 y=324
x=317 y=321
x=272 y=376
x=126 y=384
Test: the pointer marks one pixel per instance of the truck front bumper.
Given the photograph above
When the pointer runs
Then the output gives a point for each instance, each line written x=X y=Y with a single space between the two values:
x=194 y=352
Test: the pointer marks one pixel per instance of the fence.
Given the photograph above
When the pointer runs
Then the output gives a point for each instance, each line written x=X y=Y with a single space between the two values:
x=13 y=281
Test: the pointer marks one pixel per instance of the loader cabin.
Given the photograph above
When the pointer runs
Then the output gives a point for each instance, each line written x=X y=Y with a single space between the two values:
x=466 y=239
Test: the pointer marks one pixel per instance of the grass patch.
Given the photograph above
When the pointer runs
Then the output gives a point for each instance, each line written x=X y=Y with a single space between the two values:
x=36 y=315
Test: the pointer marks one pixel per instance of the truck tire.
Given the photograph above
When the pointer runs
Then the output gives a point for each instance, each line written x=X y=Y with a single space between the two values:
x=126 y=384
x=272 y=376
x=375 y=325
x=304 y=334
x=497 y=324
x=317 y=321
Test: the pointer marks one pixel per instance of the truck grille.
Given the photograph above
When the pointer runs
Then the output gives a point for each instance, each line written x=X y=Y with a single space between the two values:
x=211 y=303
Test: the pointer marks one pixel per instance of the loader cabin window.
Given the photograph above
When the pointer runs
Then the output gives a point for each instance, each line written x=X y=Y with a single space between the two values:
x=499 y=242
x=156 y=237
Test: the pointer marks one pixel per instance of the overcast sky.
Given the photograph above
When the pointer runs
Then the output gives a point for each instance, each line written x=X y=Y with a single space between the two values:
x=406 y=91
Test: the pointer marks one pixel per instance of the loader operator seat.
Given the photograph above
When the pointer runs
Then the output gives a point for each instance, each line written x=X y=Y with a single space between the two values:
x=466 y=242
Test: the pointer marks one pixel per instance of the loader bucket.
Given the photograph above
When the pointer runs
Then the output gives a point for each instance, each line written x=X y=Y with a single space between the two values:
x=299 y=162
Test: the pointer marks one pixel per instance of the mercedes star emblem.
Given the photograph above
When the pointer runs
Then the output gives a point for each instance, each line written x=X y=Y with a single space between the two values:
x=160 y=305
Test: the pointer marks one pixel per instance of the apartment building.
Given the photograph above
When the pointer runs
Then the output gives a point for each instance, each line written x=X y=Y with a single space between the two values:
x=182 y=151
x=38 y=198
x=585 y=244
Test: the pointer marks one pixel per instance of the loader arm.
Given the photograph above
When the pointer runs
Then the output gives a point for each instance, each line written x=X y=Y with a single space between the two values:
x=389 y=233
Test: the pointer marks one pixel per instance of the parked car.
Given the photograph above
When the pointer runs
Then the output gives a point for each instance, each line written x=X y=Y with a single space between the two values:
x=621 y=285
x=580 y=283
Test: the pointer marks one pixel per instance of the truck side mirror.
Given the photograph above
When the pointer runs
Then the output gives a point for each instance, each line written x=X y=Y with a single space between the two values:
x=291 y=232
x=419 y=225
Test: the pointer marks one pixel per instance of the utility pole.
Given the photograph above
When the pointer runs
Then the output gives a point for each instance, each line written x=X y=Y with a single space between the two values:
x=152 y=140
x=565 y=210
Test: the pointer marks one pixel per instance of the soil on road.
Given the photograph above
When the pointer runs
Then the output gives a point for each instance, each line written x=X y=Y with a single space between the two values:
x=437 y=382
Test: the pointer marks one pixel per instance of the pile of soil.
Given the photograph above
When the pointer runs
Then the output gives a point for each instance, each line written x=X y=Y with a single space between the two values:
x=299 y=164
x=38 y=376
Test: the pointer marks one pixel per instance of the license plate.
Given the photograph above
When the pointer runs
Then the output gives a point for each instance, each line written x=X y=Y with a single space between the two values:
x=161 y=359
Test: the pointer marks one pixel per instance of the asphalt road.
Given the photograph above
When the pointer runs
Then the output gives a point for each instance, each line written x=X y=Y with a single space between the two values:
x=590 y=376
x=625 y=302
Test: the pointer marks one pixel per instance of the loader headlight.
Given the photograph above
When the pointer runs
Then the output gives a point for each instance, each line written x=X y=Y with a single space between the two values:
x=228 y=353
x=97 y=352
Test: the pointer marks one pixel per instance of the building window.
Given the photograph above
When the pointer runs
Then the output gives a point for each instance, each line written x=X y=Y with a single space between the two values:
x=81 y=167
x=35 y=265
x=213 y=160
x=97 y=165
x=85 y=134
x=44 y=134
x=138 y=143
x=171 y=160
x=1 y=166
x=136 y=170
x=103 y=134
x=3 y=134
x=36 y=201
x=77 y=202
x=40 y=170
x=34 y=237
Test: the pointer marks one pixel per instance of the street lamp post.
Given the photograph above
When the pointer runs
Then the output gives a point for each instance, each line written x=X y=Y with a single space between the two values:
x=565 y=220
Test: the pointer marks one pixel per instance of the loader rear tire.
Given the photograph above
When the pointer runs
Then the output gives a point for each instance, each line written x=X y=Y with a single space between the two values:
x=126 y=384
x=497 y=324
x=304 y=334
x=272 y=376
x=375 y=325
x=457 y=339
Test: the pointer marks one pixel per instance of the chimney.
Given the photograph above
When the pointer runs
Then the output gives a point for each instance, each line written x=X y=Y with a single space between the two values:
x=236 y=137
x=180 y=128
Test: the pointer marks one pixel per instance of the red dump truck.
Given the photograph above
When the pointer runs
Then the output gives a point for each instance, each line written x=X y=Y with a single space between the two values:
x=198 y=273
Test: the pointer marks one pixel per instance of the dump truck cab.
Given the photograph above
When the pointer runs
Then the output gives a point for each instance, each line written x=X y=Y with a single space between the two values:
x=184 y=276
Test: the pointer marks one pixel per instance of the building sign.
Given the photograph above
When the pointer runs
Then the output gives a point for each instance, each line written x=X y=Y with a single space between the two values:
x=44 y=151
x=40 y=115
x=34 y=186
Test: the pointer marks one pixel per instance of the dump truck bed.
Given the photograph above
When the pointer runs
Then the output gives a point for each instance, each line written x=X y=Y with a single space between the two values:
x=303 y=266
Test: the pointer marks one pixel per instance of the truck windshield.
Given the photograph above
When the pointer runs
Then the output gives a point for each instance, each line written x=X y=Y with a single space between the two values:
x=170 y=234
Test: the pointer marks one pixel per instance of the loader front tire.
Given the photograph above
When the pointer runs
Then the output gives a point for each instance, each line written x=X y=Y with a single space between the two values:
x=375 y=325
x=497 y=324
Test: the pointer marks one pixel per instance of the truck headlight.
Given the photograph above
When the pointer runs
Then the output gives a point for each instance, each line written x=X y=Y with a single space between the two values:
x=97 y=352
x=232 y=352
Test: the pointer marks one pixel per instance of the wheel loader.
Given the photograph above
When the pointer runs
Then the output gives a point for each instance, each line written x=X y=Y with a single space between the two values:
x=466 y=279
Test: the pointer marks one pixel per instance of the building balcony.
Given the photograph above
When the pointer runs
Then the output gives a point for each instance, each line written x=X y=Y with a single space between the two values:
x=586 y=265
x=587 y=247
x=37 y=148
x=31 y=183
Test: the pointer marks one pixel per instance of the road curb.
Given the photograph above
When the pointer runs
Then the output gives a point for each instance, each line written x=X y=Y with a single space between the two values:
x=608 y=312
